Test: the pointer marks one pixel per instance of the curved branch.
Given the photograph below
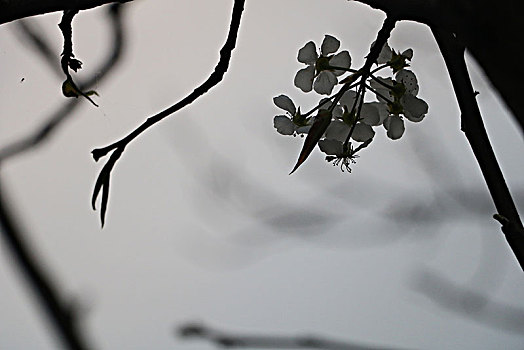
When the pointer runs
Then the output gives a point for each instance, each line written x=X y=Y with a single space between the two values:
x=221 y=68
x=472 y=125
x=13 y=10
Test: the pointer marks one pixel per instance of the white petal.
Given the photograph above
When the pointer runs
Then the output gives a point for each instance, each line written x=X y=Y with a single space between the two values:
x=385 y=54
x=381 y=89
x=303 y=129
x=348 y=99
x=308 y=53
x=394 y=126
x=325 y=82
x=376 y=85
x=341 y=59
x=337 y=130
x=370 y=114
x=414 y=107
x=285 y=103
x=284 y=125
x=408 y=54
x=329 y=45
x=362 y=132
x=383 y=112
x=330 y=147
x=338 y=112
x=409 y=80
x=304 y=78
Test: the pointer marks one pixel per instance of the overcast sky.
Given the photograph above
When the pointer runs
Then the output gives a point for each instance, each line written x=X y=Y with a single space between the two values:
x=204 y=222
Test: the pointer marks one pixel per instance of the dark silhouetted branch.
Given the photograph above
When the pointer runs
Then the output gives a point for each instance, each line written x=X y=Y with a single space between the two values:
x=102 y=183
x=230 y=340
x=12 y=10
x=472 y=125
x=477 y=25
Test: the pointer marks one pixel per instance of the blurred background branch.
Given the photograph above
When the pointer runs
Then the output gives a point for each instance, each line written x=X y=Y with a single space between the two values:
x=62 y=314
x=238 y=340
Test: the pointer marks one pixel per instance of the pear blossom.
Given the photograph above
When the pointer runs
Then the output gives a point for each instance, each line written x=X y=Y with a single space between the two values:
x=293 y=123
x=400 y=97
x=395 y=60
x=349 y=117
x=319 y=74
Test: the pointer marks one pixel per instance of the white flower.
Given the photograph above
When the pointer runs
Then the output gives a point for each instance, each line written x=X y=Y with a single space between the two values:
x=293 y=123
x=401 y=99
x=337 y=133
x=319 y=73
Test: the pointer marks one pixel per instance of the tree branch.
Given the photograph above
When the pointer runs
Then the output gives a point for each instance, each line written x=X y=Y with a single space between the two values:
x=11 y=10
x=230 y=340
x=477 y=25
x=472 y=125
x=102 y=182
x=52 y=123
x=61 y=314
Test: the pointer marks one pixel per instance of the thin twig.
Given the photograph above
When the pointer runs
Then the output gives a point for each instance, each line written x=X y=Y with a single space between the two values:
x=221 y=68
x=473 y=127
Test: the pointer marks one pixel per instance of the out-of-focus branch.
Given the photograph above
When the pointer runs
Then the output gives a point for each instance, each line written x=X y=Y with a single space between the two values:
x=51 y=124
x=103 y=180
x=230 y=340
x=63 y=317
x=61 y=314
x=470 y=304
x=12 y=10
x=29 y=34
x=472 y=125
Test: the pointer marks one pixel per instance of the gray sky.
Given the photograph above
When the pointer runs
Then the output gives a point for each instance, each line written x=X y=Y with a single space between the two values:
x=204 y=222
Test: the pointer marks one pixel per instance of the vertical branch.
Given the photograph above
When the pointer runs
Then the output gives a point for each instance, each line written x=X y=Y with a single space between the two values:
x=61 y=315
x=59 y=312
x=473 y=127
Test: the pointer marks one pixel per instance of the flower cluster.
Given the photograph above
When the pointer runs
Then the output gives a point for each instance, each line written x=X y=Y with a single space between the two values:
x=353 y=116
